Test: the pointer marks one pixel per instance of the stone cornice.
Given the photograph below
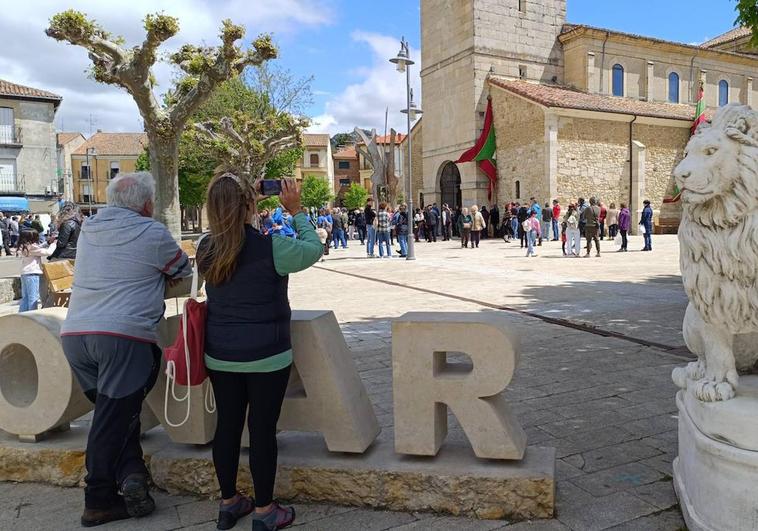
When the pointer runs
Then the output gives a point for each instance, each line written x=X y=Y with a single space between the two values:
x=578 y=32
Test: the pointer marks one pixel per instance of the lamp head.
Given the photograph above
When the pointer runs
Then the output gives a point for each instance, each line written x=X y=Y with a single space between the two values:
x=403 y=58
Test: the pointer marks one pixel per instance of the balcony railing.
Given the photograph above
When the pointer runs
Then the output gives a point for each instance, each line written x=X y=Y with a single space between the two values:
x=11 y=183
x=10 y=136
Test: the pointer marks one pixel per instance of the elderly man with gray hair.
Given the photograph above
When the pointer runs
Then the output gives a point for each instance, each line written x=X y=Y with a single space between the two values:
x=123 y=262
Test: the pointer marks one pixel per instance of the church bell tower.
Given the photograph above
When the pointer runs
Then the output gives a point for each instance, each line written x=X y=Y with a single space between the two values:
x=461 y=42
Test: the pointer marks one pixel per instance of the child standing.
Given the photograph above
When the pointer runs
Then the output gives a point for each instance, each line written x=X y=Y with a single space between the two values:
x=563 y=237
x=31 y=268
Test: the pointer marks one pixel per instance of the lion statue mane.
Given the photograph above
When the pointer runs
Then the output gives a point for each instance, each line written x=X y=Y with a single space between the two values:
x=718 y=236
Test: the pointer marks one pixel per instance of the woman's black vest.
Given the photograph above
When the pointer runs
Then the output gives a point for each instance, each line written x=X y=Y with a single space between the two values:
x=249 y=315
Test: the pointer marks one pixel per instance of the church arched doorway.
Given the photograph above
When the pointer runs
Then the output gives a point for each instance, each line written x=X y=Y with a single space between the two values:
x=450 y=185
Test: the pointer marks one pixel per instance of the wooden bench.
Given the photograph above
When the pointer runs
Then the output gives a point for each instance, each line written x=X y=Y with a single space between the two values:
x=666 y=226
x=59 y=277
x=188 y=246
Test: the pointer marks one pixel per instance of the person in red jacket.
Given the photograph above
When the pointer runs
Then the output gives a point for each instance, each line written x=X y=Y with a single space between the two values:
x=601 y=219
x=556 y=217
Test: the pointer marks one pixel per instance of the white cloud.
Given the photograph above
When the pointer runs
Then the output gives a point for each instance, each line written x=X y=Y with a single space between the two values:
x=29 y=57
x=363 y=104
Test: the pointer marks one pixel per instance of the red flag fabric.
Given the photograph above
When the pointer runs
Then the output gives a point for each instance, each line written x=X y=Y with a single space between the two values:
x=484 y=151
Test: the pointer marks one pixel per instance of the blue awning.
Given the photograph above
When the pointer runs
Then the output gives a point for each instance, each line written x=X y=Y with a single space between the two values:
x=14 y=204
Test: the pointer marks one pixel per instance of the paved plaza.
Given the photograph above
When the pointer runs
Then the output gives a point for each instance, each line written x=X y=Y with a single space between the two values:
x=599 y=339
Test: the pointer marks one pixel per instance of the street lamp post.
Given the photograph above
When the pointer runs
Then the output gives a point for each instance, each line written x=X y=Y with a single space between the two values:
x=92 y=184
x=403 y=62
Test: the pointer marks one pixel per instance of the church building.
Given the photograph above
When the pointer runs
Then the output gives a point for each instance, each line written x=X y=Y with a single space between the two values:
x=577 y=111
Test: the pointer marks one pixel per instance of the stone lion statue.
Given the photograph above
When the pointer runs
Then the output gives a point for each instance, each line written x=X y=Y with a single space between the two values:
x=718 y=236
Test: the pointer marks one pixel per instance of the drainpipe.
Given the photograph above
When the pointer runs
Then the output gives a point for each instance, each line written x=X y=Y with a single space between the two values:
x=602 y=62
x=692 y=67
x=631 y=156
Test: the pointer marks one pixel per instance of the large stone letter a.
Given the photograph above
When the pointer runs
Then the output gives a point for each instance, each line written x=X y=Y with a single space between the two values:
x=424 y=385
x=328 y=396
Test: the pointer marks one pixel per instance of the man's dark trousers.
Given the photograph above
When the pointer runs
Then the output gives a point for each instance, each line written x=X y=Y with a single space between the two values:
x=590 y=233
x=113 y=445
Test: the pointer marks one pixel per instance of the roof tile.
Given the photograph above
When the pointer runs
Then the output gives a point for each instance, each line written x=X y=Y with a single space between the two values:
x=316 y=139
x=346 y=153
x=567 y=98
x=130 y=144
x=731 y=35
x=19 y=91
x=65 y=138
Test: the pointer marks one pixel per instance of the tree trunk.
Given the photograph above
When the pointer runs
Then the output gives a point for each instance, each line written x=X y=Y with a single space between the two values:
x=164 y=162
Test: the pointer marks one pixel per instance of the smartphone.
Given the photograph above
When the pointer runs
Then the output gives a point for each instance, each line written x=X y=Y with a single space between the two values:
x=271 y=187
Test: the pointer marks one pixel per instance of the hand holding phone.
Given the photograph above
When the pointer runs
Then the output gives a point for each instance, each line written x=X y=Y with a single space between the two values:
x=270 y=187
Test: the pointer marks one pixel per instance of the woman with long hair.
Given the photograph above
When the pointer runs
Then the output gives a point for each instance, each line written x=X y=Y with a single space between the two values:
x=31 y=268
x=69 y=222
x=248 y=351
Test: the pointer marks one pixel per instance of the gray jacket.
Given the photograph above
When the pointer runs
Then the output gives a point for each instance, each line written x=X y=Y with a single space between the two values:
x=122 y=264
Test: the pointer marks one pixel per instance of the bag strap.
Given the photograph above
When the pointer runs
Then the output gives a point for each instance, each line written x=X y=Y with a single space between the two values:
x=195 y=273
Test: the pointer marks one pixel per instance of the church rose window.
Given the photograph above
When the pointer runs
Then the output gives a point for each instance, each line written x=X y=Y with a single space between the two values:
x=673 y=87
x=618 y=80
x=723 y=93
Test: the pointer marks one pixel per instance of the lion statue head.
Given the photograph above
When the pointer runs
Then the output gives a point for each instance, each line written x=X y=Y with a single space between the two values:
x=718 y=177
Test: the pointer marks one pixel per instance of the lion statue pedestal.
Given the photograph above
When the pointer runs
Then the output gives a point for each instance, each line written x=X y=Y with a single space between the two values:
x=716 y=472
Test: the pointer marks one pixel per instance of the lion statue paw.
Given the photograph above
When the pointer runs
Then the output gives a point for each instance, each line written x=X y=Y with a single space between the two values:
x=709 y=391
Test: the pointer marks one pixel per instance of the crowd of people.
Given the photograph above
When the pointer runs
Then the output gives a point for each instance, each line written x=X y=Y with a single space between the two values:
x=24 y=235
x=528 y=223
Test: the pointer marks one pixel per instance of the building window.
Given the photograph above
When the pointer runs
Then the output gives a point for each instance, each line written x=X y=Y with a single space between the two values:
x=314 y=159
x=85 y=173
x=115 y=168
x=723 y=93
x=522 y=6
x=673 y=87
x=7 y=175
x=618 y=80
x=86 y=194
x=521 y=72
x=344 y=164
x=7 y=126
x=518 y=189
x=345 y=182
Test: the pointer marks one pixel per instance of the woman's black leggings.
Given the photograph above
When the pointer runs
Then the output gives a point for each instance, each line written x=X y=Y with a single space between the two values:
x=264 y=393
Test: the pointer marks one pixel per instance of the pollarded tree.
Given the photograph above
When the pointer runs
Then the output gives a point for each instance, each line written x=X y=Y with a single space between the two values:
x=246 y=134
x=203 y=68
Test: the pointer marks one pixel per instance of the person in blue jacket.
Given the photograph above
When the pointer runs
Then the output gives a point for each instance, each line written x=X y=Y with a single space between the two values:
x=647 y=221
x=280 y=224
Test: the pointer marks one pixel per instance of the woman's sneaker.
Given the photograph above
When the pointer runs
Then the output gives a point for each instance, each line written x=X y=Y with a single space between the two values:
x=228 y=515
x=277 y=518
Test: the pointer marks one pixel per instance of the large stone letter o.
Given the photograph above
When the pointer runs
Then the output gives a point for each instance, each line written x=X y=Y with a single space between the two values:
x=38 y=392
x=423 y=385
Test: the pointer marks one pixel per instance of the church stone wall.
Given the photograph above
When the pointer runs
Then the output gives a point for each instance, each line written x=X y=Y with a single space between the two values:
x=447 y=86
x=665 y=149
x=417 y=138
x=520 y=133
x=593 y=160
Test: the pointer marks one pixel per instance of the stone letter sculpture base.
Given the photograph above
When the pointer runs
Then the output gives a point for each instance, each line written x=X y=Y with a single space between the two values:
x=716 y=473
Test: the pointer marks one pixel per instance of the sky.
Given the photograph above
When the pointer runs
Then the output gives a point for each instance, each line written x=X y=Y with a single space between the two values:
x=345 y=45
